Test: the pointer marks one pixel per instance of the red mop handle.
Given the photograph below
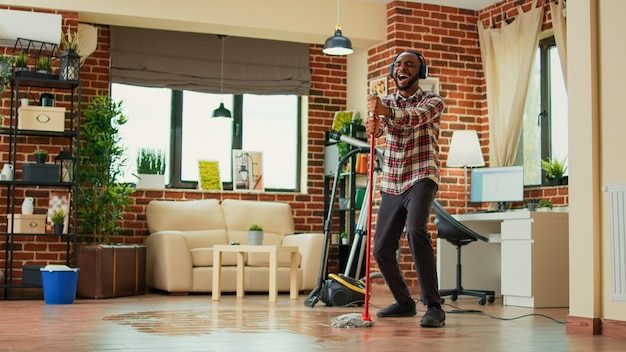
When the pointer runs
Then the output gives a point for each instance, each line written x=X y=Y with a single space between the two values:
x=366 y=314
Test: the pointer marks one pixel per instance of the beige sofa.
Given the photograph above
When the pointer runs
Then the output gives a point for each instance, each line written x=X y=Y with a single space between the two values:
x=182 y=233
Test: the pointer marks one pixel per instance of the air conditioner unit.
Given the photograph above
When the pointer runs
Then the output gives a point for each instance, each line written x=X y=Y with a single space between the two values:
x=44 y=27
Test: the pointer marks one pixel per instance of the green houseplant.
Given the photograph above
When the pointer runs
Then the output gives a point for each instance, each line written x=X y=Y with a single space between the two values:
x=150 y=168
x=101 y=203
x=58 y=221
x=21 y=61
x=6 y=70
x=255 y=234
x=41 y=155
x=555 y=169
x=102 y=199
x=44 y=65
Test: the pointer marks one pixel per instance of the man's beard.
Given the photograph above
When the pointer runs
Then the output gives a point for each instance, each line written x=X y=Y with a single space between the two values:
x=411 y=82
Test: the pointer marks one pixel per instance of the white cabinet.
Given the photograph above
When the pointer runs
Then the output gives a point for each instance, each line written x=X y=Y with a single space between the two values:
x=534 y=260
x=526 y=259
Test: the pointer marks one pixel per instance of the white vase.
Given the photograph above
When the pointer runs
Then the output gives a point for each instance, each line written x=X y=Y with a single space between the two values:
x=28 y=206
x=255 y=238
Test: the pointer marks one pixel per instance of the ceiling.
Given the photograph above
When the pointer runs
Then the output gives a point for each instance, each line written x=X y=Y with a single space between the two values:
x=462 y=4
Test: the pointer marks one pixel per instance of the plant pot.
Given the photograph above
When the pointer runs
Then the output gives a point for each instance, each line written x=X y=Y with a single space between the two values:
x=255 y=238
x=41 y=158
x=345 y=240
x=58 y=229
x=150 y=181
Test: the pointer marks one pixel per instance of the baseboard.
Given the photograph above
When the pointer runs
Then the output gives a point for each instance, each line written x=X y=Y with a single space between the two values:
x=595 y=326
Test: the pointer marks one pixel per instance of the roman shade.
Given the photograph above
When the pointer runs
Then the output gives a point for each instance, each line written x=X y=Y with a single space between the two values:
x=191 y=61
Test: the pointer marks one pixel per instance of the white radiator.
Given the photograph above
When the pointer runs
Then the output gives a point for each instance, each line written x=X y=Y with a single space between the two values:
x=617 y=218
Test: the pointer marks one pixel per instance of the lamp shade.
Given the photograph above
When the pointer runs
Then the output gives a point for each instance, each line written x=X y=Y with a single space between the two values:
x=337 y=44
x=465 y=150
x=221 y=111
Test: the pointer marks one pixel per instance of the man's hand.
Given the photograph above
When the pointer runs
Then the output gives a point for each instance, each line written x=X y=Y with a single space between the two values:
x=376 y=107
x=372 y=124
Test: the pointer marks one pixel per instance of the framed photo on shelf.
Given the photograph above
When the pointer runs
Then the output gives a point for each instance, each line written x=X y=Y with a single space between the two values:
x=430 y=84
x=378 y=86
x=247 y=170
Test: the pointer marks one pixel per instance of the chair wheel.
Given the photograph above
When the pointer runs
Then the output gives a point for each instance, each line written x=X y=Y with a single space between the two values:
x=491 y=299
x=442 y=301
x=453 y=298
x=482 y=301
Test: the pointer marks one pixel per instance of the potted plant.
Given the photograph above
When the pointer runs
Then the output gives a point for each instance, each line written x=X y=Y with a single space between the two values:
x=544 y=205
x=21 y=61
x=6 y=70
x=150 y=168
x=101 y=203
x=555 y=169
x=345 y=239
x=44 y=65
x=41 y=155
x=58 y=221
x=69 y=60
x=255 y=234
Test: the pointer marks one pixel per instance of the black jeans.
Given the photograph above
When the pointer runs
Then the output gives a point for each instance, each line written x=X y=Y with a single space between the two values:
x=412 y=208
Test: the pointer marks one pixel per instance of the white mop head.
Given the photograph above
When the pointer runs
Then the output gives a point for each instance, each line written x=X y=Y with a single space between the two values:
x=352 y=320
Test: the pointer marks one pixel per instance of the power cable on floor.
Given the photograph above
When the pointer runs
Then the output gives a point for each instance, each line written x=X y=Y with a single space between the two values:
x=457 y=310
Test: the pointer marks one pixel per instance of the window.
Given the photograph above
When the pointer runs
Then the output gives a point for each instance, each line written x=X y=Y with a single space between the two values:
x=545 y=127
x=180 y=123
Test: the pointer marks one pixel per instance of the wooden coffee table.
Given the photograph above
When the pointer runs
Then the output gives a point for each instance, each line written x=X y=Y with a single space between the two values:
x=241 y=250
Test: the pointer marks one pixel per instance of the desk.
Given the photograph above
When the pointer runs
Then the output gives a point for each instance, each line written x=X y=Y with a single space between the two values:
x=241 y=250
x=525 y=260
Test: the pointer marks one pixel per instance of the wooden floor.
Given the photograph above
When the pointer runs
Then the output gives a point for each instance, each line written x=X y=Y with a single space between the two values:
x=156 y=322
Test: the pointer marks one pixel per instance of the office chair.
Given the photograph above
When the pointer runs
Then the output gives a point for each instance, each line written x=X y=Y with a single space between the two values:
x=451 y=230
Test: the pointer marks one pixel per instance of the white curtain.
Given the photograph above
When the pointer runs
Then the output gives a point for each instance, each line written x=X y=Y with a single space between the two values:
x=507 y=55
x=559 y=24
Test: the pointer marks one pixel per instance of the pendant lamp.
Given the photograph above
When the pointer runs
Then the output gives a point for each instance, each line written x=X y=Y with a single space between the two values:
x=337 y=44
x=221 y=111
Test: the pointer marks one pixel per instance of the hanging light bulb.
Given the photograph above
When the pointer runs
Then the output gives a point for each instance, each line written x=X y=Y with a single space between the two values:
x=221 y=111
x=337 y=44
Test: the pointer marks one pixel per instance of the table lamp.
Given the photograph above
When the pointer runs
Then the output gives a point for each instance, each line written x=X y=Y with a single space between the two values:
x=465 y=152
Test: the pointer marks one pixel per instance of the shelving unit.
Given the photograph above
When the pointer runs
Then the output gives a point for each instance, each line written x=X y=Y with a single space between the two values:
x=348 y=183
x=14 y=138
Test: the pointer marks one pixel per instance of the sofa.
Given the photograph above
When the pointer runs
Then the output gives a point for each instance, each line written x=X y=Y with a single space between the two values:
x=179 y=253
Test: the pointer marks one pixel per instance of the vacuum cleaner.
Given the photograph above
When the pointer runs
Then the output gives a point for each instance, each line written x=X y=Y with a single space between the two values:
x=343 y=290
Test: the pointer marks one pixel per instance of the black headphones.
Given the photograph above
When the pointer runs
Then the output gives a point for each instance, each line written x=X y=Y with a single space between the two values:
x=423 y=68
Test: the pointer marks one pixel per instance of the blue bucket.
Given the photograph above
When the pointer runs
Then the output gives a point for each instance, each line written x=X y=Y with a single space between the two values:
x=59 y=284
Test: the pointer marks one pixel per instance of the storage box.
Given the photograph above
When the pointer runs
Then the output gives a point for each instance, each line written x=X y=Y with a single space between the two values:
x=35 y=223
x=31 y=275
x=40 y=173
x=41 y=118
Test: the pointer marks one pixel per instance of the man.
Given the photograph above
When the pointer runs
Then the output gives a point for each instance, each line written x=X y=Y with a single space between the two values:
x=409 y=119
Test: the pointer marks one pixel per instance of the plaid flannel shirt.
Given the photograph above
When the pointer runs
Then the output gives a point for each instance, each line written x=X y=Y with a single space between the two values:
x=411 y=146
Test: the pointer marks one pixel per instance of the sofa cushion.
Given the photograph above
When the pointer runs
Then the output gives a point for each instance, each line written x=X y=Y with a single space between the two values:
x=275 y=217
x=204 y=257
x=191 y=215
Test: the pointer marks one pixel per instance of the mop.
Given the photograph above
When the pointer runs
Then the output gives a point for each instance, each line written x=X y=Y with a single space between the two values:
x=356 y=320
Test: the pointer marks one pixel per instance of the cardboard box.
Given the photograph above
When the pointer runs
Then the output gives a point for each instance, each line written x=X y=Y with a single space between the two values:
x=35 y=223
x=40 y=173
x=41 y=118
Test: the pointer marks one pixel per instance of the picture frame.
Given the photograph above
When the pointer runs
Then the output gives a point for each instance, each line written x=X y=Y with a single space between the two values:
x=378 y=86
x=209 y=175
x=430 y=84
x=247 y=170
